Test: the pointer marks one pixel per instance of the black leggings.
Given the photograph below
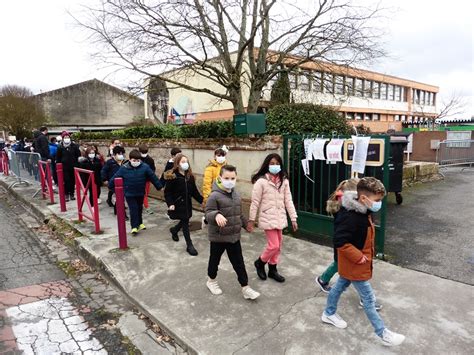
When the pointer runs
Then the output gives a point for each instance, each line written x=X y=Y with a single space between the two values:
x=184 y=225
x=234 y=252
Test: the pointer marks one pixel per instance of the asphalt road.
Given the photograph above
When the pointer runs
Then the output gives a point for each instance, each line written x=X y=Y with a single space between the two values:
x=433 y=230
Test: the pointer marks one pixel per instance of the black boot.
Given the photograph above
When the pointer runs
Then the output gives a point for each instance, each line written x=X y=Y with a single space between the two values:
x=273 y=273
x=174 y=234
x=260 y=266
x=191 y=249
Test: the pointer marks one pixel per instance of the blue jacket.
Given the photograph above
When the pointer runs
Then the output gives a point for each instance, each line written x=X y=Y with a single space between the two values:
x=53 y=149
x=134 y=179
x=109 y=169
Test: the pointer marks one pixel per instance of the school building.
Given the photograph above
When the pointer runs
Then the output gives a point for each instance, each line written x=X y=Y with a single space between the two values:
x=379 y=101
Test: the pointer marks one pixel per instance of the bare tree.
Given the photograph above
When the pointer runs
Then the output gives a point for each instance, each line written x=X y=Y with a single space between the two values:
x=237 y=44
x=455 y=105
x=19 y=111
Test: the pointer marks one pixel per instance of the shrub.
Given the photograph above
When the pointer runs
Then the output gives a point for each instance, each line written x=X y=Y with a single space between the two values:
x=305 y=118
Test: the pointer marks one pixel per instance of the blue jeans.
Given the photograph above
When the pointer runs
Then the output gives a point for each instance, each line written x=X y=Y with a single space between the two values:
x=367 y=296
x=135 y=205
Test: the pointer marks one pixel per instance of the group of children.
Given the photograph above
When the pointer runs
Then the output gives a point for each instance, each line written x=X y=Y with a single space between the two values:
x=352 y=205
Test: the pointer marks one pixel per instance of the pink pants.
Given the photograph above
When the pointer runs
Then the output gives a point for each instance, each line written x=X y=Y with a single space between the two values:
x=271 y=254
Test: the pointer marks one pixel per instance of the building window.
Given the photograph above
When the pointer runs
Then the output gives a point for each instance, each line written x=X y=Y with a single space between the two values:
x=383 y=91
x=293 y=77
x=375 y=117
x=397 y=117
x=349 y=116
x=422 y=97
x=391 y=93
x=367 y=116
x=317 y=82
x=303 y=81
x=403 y=118
x=398 y=93
x=328 y=83
x=349 y=86
x=358 y=116
x=339 y=88
x=359 y=87
x=416 y=96
x=403 y=94
x=376 y=90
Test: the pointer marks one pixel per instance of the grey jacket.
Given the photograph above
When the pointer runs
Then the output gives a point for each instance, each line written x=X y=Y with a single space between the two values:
x=230 y=206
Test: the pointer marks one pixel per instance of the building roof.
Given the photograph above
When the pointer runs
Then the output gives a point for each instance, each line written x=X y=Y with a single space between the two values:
x=89 y=82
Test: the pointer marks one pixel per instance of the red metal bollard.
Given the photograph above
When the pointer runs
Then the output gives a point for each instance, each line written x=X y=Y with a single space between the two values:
x=62 y=195
x=120 y=208
x=46 y=179
x=5 y=164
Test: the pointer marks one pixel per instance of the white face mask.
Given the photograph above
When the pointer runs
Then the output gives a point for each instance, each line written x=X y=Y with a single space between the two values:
x=120 y=157
x=91 y=155
x=135 y=163
x=184 y=166
x=144 y=155
x=220 y=160
x=229 y=184
x=67 y=141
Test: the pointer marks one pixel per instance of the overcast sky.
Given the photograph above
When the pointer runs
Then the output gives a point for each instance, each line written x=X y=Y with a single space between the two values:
x=428 y=41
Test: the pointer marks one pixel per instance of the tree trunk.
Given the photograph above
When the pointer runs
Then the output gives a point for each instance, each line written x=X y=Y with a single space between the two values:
x=254 y=100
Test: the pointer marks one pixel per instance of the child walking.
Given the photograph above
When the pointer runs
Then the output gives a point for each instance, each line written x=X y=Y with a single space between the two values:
x=271 y=197
x=225 y=218
x=111 y=166
x=354 y=234
x=170 y=163
x=180 y=188
x=143 y=148
x=135 y=174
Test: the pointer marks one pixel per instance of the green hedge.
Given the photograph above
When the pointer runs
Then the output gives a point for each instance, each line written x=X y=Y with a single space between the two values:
x=305 y=118
x=204 y=129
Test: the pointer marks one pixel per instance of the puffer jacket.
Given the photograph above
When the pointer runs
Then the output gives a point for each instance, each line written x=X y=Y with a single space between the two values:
x=354 y=235
x=228 y=204
x=179 y=190
x=272 y=202
x=134 y=179
x=212 y=171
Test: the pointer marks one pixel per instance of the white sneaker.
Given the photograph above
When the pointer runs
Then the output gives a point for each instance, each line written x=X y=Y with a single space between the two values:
x=335 y=320
x=390 y=338
x=203 y=223
x=213 y=286
x=99 y=201
x=249 y=294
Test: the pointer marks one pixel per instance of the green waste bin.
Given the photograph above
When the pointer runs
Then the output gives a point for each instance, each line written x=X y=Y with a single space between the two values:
x=250 y=123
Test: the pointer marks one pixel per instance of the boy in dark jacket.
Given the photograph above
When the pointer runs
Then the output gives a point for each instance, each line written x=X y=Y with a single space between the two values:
x=110 y=167
x=225 y=218
x=135 y=174
x=354 y=234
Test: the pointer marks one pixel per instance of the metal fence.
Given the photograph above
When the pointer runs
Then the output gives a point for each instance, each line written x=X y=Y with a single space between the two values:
x=310 y=192
x=455 y=152
x=24 y=166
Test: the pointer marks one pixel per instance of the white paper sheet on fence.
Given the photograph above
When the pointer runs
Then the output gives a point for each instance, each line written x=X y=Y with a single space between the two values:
x=361 y=145
x=334 y=150
x=317 y=148
x=305 y=165
x=307 y=145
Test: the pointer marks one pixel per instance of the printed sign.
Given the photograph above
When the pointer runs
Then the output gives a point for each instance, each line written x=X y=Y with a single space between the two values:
x=375 y=152
x=334 y=150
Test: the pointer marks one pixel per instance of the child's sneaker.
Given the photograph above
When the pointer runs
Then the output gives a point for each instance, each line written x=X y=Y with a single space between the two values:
x=324 y=286
x=204 y=223
x=213 y=286
x=249 y=294
x=335 y=320
x=141 y=227
x=148 y=211
x=390 y=338
x=378 y=306
x=134 y=231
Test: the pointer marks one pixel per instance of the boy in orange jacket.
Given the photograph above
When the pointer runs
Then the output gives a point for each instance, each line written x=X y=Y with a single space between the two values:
x=354 y=234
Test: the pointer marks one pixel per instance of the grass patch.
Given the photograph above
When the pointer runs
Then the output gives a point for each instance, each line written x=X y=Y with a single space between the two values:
x=68 y=269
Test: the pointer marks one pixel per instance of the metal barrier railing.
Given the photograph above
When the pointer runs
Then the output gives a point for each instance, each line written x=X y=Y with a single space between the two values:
x=82 y=194
x=25 y=167
x=455 y=152
x=46 y=178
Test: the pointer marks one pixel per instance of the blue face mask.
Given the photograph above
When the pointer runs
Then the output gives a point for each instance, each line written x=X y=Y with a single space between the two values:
x=274 y=169
x=376 y=206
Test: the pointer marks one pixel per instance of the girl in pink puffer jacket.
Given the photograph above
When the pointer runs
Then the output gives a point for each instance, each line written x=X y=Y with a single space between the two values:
x=271 y=198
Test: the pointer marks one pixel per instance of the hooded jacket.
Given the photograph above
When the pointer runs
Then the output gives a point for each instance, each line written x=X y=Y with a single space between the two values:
x=68 y=155
x=134 y=179
x=228 y=204
x=109 y=169
x=212 y=171
x=272 y=202
x=41 y=145
x=93 y=165
x=179 y=190
x=354 y=235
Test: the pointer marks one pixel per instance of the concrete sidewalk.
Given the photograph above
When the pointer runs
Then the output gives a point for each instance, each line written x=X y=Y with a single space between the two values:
x=436 y=315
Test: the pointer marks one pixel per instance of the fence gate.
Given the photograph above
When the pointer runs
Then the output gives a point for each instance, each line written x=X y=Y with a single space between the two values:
x=310 y=198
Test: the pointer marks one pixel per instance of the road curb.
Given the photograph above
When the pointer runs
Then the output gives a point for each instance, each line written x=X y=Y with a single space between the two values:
x=47 y=216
